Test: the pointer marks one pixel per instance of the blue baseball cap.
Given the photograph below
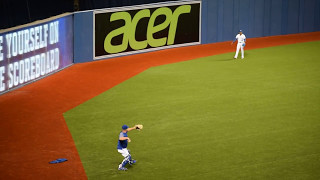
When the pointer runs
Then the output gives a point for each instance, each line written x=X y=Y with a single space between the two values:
x=124 y=127
x=240 y=30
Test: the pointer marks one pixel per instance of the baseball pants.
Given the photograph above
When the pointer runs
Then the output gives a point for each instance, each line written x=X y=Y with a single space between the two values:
x=127 y=157
x=239 y=46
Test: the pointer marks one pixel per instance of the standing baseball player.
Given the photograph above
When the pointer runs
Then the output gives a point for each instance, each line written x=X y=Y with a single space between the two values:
x=241 y=43
x=122 y=146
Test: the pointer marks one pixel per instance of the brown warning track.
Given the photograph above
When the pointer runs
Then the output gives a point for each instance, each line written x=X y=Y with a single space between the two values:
x=33 y=130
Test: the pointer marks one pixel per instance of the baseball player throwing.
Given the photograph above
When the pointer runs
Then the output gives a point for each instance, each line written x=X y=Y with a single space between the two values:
x=122 y=146
x=241 y=43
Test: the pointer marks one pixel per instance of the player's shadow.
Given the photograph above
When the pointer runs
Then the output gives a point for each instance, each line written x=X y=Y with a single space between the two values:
x=231 y=58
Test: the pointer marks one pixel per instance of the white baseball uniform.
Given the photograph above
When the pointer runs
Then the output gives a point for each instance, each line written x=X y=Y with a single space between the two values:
x=241 y=43
x=124 y=152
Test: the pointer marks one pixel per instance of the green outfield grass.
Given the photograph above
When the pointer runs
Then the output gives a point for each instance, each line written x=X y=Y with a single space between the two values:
x=210 y=118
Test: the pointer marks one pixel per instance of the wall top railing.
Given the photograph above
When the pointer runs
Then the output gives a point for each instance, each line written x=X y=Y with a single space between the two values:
x=35 y=22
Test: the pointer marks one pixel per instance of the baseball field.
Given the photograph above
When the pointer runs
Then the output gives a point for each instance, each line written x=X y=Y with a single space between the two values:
x=210 y=118
x=205 y=115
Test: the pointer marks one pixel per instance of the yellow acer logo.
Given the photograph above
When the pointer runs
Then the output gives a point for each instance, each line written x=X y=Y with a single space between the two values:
x=129 y=29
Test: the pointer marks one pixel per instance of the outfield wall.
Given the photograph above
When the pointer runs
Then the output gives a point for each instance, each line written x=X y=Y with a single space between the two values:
x=83 y=36
x=257 y=18
x=112 y=32
x=220 y=21
x=33 y=51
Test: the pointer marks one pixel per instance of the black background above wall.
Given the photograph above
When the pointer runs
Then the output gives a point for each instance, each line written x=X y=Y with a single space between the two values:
x=18 y=12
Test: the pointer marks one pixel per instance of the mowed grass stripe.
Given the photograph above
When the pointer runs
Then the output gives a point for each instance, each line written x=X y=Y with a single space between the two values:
x=212 y=117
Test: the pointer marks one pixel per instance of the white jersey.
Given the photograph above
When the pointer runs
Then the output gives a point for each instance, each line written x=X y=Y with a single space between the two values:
x=241 y=38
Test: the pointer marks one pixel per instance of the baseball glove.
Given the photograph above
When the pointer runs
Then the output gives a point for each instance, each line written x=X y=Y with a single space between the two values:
x=139 y=126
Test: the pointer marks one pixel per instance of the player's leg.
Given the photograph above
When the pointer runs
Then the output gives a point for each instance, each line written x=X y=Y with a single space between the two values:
x=123 y=164
x=131 y=161
x=237 y=52
x=242 y=51
x=125 y=153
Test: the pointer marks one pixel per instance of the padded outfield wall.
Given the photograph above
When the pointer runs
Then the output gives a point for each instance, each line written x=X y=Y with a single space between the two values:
x=112 y=32
x=220 y=20
x=33 y=51
x=257 y=18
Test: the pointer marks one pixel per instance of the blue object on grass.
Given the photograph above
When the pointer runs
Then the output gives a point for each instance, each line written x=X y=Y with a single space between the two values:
x=58 y=161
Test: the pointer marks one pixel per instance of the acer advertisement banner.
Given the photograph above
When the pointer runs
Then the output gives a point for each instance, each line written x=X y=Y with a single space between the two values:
x=128 y=30
x=34 y=51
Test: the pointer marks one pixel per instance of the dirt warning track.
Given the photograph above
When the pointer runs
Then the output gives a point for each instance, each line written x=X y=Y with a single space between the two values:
x=33 y=130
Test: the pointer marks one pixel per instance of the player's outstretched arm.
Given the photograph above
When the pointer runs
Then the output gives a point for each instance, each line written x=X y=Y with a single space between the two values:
x=132 y=128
